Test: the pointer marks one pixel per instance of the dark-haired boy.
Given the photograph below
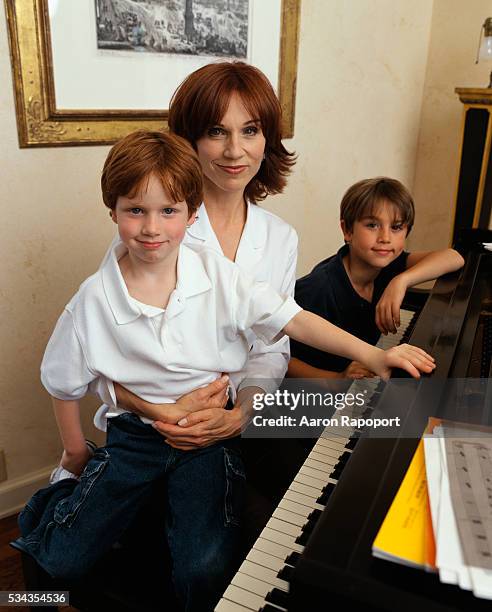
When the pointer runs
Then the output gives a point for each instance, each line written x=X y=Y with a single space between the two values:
x=361 y=288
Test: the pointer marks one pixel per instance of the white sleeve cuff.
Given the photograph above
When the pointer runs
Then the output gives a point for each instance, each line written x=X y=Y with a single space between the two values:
x=270 y=329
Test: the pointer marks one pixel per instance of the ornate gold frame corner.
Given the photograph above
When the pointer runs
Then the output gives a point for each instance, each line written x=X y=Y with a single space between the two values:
x=41 y=124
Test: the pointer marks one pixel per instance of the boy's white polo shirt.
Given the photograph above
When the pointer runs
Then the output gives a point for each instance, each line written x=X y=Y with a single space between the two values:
x=104 y=335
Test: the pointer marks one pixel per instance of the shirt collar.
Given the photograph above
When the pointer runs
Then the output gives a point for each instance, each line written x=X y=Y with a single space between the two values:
x=192 y=275
x=254 y=232
x=342 y=252
x=192 y=280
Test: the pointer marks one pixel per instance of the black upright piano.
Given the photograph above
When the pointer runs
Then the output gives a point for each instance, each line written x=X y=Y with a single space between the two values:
x=337 y=567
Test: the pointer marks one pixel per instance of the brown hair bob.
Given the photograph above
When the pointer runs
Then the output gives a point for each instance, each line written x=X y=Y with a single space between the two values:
x=201 y=101
x=136 y=156
x=364 y=197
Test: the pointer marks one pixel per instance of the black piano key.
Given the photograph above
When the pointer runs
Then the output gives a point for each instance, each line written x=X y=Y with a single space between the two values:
x=344 y=457
x=314 y=515
x=293 y=558
x=278 y=597
x=268 y=608
x=312 y=519
x=286 y=573
x=337 y=471
x=303 y=538
x=325 y=496
x=351 y=443
x=308 y=527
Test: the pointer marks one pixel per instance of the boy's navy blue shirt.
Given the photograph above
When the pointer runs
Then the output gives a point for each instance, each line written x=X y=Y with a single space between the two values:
x=328 y=292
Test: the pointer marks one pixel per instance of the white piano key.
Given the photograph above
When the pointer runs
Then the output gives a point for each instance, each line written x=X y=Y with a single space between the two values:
x=226 y=605
x=327 y=443
x=262 y=573
x=327 y=446
x=283 y=527
x=281 y=538
x=294 y=507
x=272 y=548
x=327 y=453
x=305 y=479
x=324 y=459
x=288 y=517
x=317 y=466
x=248 y=583
x=262 y=558
x=332 y=440
x=244 y=598
x=328 y=450
x=304 y=489
x=302 y=499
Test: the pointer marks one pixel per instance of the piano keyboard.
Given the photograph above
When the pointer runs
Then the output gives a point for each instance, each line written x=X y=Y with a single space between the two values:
x=262 y=582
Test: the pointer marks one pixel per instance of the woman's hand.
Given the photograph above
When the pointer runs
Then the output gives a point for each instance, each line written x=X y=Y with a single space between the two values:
x=357 y=370
x=205 y=427
x=202 y=428
x=388 y=307
x=405 y=356
x=214 y=395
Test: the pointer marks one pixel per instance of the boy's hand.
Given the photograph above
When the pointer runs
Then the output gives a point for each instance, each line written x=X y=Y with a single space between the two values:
x=75 y=462
x=388 y=307
x=357 y=370
x=405 y=356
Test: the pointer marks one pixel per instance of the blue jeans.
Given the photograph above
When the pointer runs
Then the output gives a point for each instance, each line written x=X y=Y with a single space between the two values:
x=68 y=526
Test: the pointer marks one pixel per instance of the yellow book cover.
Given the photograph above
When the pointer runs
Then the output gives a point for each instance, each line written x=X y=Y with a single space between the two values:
x=406 y=534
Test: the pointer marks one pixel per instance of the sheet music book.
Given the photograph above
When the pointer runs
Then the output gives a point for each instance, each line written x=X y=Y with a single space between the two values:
x=406 y=535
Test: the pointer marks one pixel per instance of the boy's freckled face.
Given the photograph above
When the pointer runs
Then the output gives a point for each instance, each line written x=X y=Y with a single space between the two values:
x=151 y=224
x=378 y=239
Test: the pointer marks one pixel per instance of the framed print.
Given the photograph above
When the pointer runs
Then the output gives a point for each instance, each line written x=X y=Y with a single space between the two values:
x=88 y=72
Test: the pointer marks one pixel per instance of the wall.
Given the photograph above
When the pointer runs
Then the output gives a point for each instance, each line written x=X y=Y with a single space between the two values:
x=452 y=53
x=359 y=94
x=54 y=232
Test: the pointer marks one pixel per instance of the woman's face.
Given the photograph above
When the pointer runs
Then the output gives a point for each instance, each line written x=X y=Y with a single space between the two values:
x=231 y=152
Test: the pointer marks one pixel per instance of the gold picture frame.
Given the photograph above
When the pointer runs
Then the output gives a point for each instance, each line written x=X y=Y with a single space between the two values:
x=41 y=124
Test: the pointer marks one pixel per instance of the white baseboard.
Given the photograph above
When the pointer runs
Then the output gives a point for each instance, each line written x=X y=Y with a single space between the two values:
x=15 y=493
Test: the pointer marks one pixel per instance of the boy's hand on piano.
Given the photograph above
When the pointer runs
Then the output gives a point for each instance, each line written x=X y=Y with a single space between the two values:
x=410 y=358
x=388 y=307
x=357 y=370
